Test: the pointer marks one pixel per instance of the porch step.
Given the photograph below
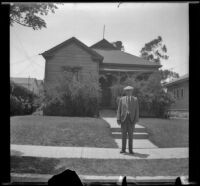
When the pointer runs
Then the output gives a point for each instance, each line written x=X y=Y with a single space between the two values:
x=136 y=135
x=137 y=129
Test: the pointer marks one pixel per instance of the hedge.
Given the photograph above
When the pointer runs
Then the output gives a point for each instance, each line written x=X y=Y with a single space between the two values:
x=70 y=97
x=21 y=100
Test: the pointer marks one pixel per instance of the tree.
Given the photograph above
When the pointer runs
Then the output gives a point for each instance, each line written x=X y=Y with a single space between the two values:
x=118 y=45
x=154 y=50
x=29 y=14
x=153 y=100
x=166 y=74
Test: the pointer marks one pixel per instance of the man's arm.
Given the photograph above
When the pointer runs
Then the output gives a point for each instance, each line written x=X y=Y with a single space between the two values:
x=119 y=111
x=136 y=111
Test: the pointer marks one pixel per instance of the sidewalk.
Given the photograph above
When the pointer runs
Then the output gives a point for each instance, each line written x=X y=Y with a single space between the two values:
x=96 y=153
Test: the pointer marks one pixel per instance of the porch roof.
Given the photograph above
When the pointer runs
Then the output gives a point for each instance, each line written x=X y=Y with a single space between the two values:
x=123 y=58
x=124 y=70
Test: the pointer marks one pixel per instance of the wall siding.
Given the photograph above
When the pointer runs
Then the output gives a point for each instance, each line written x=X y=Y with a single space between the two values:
x=180 y=103
x=71 y=55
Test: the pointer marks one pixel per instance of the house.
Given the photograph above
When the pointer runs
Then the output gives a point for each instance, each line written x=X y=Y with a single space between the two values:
x=99 y=60
x=180 y=90
x=34 y=85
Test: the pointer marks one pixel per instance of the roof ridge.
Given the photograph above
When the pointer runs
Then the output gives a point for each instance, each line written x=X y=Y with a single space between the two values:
x=145 y=62
x=104 y=43
x=78 y=42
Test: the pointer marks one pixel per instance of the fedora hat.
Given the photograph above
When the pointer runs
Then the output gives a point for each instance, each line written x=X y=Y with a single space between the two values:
x=128 y=88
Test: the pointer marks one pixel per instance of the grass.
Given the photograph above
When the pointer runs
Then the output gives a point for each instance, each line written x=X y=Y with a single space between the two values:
x=167 y=133
x=158 y=167
x=61 y=131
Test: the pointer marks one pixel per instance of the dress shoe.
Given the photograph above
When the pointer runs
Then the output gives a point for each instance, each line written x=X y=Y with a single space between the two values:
x=131 y=152
x=122 y=151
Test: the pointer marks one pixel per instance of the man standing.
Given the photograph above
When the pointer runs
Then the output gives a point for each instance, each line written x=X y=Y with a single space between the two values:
x=127 y=117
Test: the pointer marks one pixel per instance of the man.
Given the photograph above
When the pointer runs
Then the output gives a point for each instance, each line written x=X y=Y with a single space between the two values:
x=127 y=117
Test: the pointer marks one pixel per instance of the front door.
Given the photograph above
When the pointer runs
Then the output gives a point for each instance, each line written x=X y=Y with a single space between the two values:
x=106 y=91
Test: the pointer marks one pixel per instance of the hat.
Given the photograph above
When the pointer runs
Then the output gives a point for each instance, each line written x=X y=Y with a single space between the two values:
x=128 y=88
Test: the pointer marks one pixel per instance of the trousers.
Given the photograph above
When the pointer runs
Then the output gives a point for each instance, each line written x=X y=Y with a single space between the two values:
x=127 y=127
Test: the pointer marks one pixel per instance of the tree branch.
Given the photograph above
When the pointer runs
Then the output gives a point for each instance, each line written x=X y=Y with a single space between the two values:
x=20 y=23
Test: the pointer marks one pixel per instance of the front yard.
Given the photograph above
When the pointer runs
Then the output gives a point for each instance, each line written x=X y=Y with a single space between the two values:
x=61 y=131
x=167 y=133
x=92 y=132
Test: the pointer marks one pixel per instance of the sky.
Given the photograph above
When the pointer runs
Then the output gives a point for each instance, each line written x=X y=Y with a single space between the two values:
x=132 y=23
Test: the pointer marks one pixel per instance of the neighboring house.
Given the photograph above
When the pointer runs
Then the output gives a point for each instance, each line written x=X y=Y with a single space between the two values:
x=100 y=60
x=32 y=84
x=180 y=90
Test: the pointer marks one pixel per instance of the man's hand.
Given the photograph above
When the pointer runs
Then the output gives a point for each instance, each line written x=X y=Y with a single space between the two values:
x=118 y=122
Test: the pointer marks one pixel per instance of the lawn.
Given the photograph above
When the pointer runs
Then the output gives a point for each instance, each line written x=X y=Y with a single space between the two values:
x=167 y=133
x=61 y=131
x=158 y=167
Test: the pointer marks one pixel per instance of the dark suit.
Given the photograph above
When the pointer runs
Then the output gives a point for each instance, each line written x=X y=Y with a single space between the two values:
x=128 y=116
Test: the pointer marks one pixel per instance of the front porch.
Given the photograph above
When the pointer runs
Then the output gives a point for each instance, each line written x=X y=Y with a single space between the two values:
x=111 y=79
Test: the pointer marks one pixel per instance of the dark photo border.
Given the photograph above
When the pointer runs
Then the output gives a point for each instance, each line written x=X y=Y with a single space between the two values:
x=194 y=94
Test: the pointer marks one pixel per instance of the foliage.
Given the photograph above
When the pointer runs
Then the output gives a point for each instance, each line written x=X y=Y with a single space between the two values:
x=118 y=45
x=70 y=97
x=29 y=14
x=153 y=100
x=166 y=74
x=21 y=100
x=154 y=50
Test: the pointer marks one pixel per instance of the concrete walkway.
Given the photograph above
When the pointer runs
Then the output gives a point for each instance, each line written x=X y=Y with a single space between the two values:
x=96 y=153
x=140 y=135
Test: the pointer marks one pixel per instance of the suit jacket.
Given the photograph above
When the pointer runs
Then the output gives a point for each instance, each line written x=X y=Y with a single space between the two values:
x=123 y=108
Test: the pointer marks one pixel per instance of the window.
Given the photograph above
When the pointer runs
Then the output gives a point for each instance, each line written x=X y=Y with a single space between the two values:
x=177 y=93
x=75 y=76
x=182 y=93
x=174 y=93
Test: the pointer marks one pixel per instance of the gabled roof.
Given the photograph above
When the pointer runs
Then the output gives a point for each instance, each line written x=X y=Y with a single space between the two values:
x=103 y=44
x=178 y=80
x=123 y=58
x=69 y=41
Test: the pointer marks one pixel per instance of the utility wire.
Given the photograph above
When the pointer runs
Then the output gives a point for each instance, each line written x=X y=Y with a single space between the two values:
x=23 y=69
x=29 y=58
x=25 y=52
x=23 y=60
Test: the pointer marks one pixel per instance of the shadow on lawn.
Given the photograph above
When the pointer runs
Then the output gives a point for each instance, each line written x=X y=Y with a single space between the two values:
x=16 y=153
x=36 y=165
x=136 y=154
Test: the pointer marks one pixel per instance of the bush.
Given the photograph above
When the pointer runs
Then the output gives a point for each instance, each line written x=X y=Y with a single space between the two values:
x=70 y=97
x=153 y=100
x=21 y=100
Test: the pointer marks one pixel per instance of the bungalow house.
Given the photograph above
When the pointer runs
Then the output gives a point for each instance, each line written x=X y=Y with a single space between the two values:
x=180 y=90
x=99 y=60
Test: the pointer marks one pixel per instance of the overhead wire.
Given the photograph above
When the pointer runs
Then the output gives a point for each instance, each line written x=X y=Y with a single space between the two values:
x=28 y=58
x=23 y=60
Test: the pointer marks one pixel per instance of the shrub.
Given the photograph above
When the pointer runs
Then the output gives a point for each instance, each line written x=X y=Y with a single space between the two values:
x=21 y=100
x=153 y=100
x=70 y=97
